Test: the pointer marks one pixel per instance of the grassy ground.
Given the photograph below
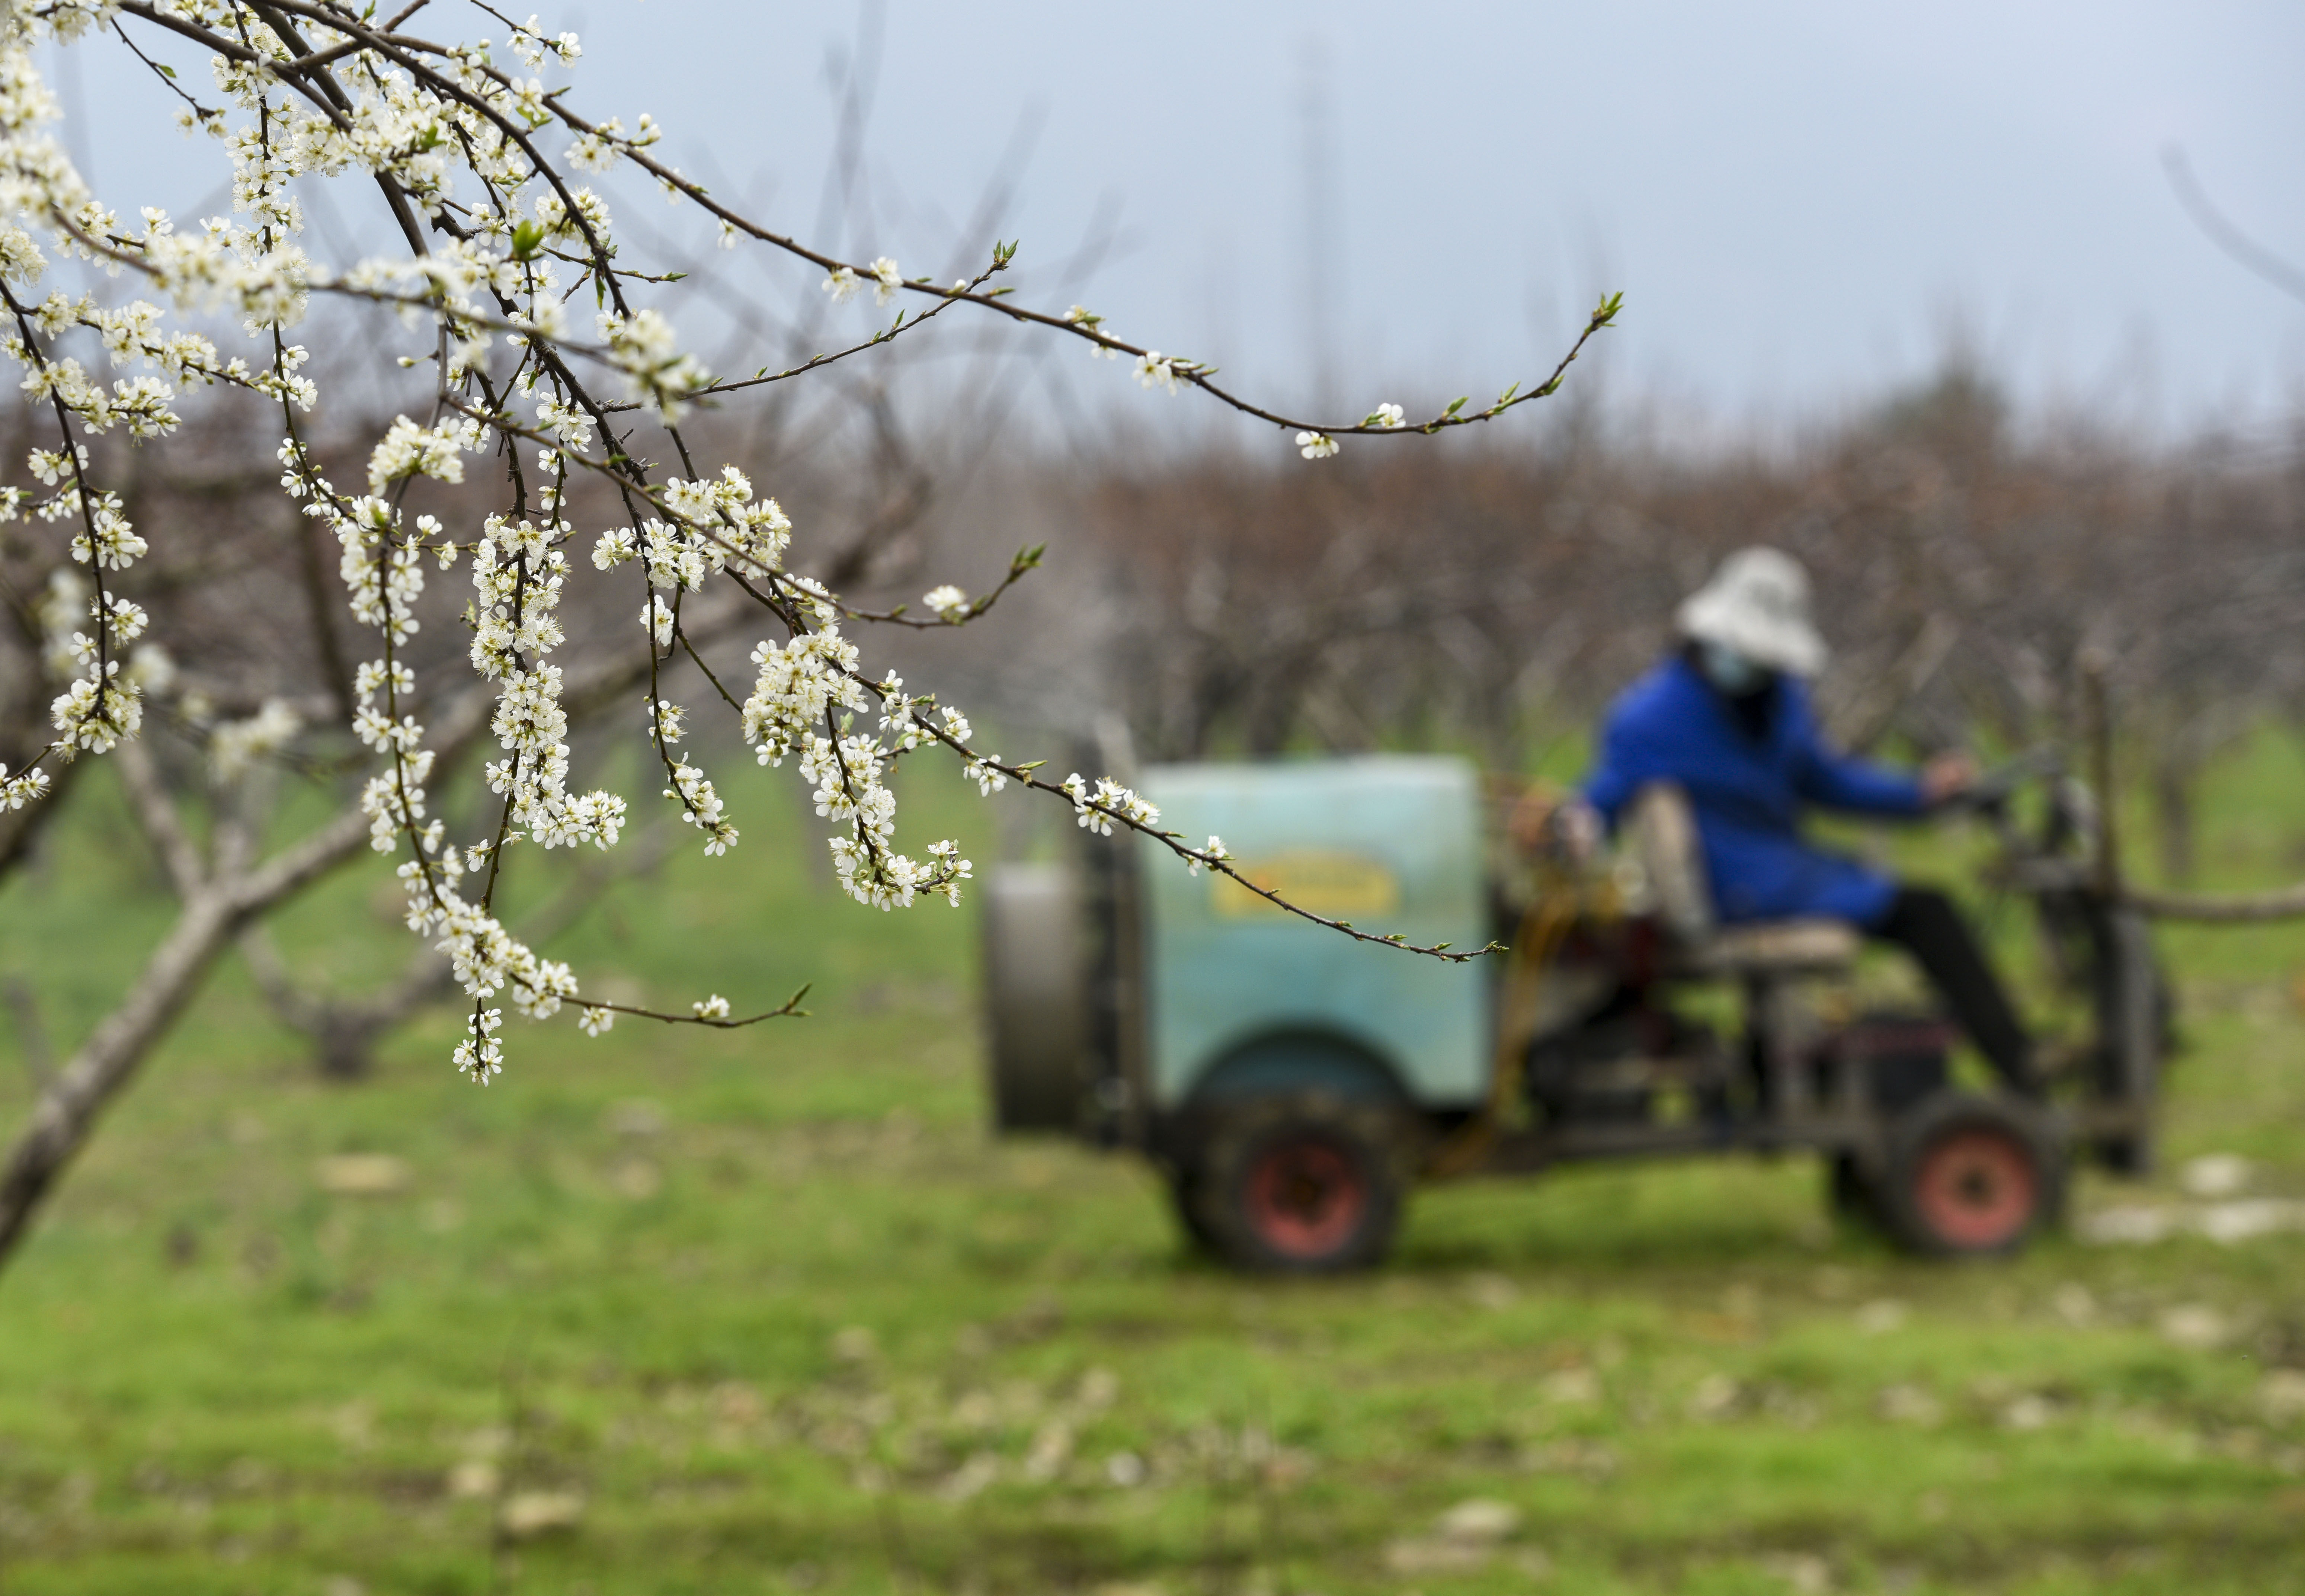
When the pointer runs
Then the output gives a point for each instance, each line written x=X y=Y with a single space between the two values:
x=768 y=1312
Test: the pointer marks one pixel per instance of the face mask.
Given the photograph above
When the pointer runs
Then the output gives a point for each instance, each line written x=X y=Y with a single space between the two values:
x=1730 y=671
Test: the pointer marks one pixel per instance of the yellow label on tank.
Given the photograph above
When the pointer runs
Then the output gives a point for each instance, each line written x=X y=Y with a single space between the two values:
x=1337 y=886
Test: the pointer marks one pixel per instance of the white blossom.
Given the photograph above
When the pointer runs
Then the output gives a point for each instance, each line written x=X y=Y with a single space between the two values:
x=152 y=669
x=236 y=744
x=656 y=619
x=1154 y=370
x=613 y=548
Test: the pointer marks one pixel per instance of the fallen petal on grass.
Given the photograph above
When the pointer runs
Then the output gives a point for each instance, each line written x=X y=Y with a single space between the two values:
x=531 y=1514
x=362 y=1175
x=2193 y=1327
x=1482 y=1519
x=472 y=1477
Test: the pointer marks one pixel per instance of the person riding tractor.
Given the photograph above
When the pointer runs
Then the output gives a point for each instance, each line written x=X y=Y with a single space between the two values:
x=1726 y=717
x=1293 y=1084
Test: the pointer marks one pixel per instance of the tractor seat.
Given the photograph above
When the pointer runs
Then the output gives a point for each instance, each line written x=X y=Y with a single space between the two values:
x=1771 y=947
x=1663 y=832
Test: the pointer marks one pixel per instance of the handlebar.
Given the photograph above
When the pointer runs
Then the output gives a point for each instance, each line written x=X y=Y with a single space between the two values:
x=1997 y=785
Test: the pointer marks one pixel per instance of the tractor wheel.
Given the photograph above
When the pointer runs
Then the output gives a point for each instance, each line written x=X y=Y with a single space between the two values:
x=1849 y=1195
x=1970 y=1176
x=2141 y=1020
x=1304 y=1184
x=1184 y=1182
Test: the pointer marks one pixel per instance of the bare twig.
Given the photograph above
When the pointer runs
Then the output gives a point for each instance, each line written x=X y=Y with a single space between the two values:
x=2220 y=231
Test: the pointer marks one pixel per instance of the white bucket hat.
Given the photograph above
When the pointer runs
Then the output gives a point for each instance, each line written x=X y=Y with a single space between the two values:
x=1758 y=604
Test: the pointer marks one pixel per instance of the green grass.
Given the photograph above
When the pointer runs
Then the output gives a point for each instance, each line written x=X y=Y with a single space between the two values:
x=816 y=1332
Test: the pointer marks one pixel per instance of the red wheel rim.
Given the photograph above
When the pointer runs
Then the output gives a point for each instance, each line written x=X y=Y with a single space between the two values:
x=1976 y=1188
x=1306 y=1199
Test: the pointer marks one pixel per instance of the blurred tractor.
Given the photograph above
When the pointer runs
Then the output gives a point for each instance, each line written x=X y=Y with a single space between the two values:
x=1293 y=1084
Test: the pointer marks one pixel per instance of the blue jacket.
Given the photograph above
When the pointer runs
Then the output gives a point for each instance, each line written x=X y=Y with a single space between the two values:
x=1747 y=792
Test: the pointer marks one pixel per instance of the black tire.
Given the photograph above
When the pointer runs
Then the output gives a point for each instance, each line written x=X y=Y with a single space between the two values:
x=1302 y=1183
x=1849 y=1196
x=2140 y=1023
x=2130 y=1157
x=1185 y=1183
x=1970 y=1176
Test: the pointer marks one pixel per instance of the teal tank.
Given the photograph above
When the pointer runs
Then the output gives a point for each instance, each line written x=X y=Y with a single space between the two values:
x=1391 y=843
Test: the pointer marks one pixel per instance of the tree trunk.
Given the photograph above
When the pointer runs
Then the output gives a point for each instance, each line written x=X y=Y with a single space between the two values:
x=209 y=919
x=215 y=912
x=67 y=1110
x=2174 y=778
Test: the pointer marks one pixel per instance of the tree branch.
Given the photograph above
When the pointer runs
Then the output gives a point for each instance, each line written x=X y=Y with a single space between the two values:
x=156 y=813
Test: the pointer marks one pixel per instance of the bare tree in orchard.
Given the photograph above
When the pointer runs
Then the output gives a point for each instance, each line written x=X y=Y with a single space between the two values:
x=552 y=438
x=1972 y=565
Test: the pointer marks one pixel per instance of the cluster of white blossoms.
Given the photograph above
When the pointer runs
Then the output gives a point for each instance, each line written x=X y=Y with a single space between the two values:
x=26 y=786
x=844 y=280
x=985 y=771
x=408 y=450
x=657 y=371
x=719 y=523
x=798 y=686
x=1087 y=320
x=1385 y=418
x=805 y=694
x=1097 y=810
x=384 y=568
x=596 y=149
x=470 y=156
x=99 y=705
x=518 y=571
x=234 y=746
x=700 y=807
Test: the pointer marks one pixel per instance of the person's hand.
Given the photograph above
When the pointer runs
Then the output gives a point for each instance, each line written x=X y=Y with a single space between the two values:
x=1530 y=824
x=1550 y=823
x=1947 y=775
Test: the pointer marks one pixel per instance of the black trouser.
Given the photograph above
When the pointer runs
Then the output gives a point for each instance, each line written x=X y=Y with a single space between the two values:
x=1924 y=923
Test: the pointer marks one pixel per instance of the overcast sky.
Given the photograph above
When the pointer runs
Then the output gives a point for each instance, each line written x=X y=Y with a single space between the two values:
x=1801 y=200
